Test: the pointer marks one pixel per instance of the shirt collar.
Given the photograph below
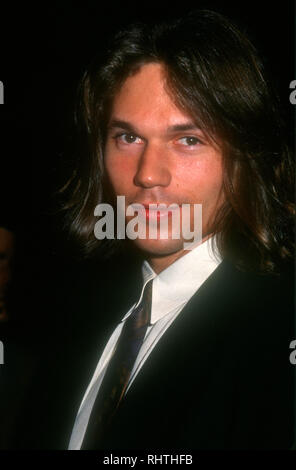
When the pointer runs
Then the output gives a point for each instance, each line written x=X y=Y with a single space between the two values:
x=176 y=284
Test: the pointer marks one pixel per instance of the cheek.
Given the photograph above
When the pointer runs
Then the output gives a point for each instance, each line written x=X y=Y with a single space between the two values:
x=120 y=172
x=213 y=178
x=202 y=180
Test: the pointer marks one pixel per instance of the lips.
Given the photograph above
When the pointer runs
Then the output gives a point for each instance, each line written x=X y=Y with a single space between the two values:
x=155 y=210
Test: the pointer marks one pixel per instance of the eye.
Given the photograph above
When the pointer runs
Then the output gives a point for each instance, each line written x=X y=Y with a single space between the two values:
x=189 y=141
x=125 y=138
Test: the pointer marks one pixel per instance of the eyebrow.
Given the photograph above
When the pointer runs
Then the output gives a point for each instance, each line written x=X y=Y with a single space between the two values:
x=118 y=123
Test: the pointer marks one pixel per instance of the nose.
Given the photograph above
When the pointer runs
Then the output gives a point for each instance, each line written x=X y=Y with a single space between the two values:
x=153 y=168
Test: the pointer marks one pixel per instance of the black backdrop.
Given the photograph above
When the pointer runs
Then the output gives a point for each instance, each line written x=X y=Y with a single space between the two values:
x=44 y=49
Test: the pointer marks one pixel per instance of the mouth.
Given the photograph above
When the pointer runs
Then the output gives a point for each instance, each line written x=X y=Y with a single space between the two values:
x=155 y=210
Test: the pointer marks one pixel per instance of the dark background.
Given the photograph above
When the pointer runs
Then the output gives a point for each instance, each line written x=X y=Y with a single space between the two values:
x=44 y=51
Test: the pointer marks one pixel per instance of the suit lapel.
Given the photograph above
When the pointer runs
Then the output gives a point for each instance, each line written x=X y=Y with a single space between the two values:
x=206 y=365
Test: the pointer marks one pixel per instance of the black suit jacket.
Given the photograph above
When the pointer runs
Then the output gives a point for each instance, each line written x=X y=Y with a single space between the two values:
x=219 y=378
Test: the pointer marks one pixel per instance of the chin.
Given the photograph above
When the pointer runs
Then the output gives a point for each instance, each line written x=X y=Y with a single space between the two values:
x=159 y=247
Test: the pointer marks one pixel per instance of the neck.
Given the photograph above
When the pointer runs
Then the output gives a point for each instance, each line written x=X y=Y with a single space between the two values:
x=160 y=263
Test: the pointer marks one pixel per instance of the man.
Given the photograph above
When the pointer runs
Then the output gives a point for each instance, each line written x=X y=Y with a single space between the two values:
x=181 y=113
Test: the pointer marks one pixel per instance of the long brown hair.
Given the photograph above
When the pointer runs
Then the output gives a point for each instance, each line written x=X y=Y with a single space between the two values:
x=214 y=73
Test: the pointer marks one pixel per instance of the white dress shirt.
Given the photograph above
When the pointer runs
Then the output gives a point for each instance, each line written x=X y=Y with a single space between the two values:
x=171 y=290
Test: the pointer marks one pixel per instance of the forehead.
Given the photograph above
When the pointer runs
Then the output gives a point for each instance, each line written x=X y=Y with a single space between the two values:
x=144 y=99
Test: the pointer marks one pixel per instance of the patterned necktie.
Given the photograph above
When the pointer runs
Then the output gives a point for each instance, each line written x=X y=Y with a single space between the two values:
x=118 y=371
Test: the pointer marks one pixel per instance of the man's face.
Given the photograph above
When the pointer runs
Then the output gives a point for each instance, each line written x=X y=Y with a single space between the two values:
x=155 y=154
